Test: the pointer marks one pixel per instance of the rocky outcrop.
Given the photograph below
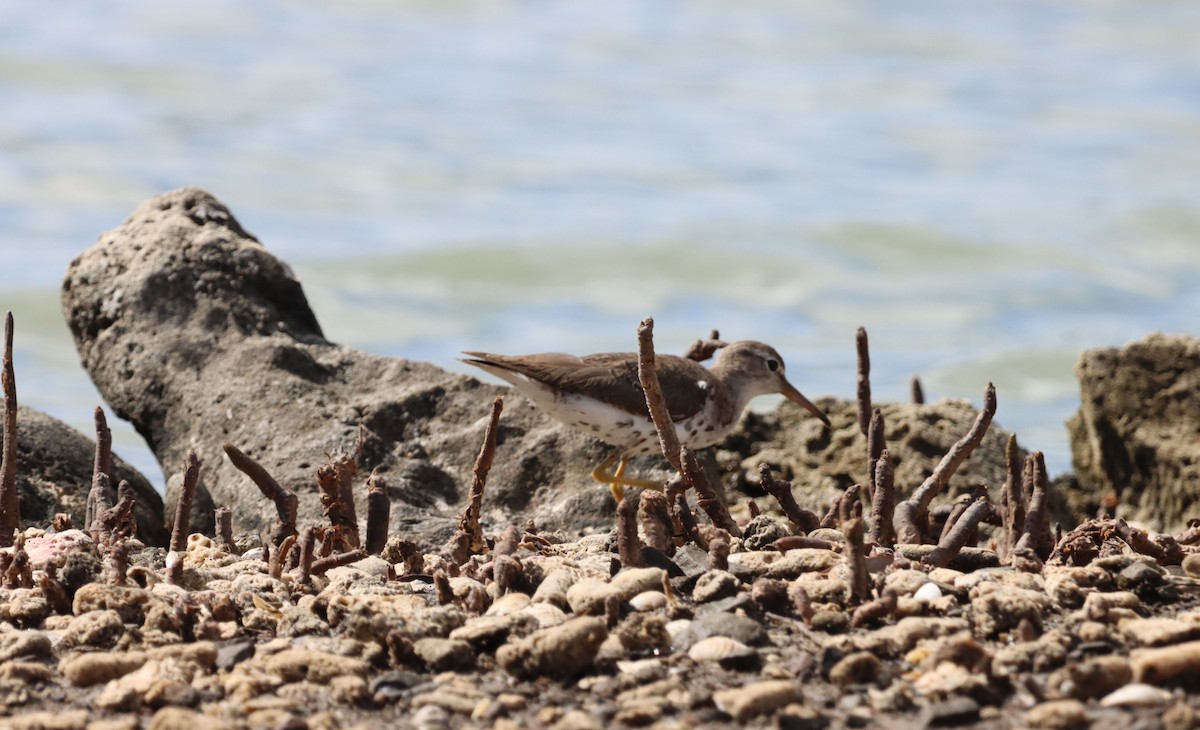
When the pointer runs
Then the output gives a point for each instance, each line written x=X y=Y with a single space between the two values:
x=821 y=463
x=54 y=474
x=1137 y=433
x=197 y=335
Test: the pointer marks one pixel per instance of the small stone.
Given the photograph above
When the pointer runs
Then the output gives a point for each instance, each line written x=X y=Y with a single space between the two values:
x=445 y=655
x=714 y=585
x=181 y=718
x=295 y=665
x=85 y=670
x=763 y=530
x=1057 y=715
x=861 y=667
x=24 y=644
x=758 y=698
x=58 y=720
x=950 y=713
x=233 y=653
x=831 y=622
x=1191 y=565
x=1091 y=678
x=561 y=651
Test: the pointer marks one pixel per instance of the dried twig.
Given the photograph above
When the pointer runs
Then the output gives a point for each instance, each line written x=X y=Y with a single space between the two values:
x=801 y=603
x=335 y=479
x=308 y=541
x=654 y=519
x=706 y=496
x=798 y=542
x=918 y=393
x=860 y=583
x=443 y=593
x=912 y=514
x=960 y=505
x=224 y=519
x=629 y=548
x=100 y=497
x=379 y=512
x=507 y=570
x=701 y=350
x=322 y=566
x=1012 y=497
x=958 y=453
x=718 y=547
x=803 y=519
x=468 y=537
x=876 y=443
x=648 y=376
x=1035 y=516
x=954 y=539
x=864 y=380
x=112 y=524
x=10 y=504
x=183 y=506
x=99 y=500
x=102 y=463
x=287 y=504
x=126 y=525
x=875 y=611
x=842 y=507
x=883 y=506
x=682 y=519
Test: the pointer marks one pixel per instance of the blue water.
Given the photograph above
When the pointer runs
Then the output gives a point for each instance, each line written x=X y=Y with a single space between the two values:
x=988 y=189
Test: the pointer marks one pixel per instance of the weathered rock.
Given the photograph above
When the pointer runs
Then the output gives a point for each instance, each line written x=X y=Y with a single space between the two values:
x=758 y=698
x=194 y=332
x=54 y=474
x=561 y=651
x=821 y=462
x=1135 y=434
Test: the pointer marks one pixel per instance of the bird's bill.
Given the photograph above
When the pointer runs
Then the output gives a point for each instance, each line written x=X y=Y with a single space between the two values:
x=795 y=396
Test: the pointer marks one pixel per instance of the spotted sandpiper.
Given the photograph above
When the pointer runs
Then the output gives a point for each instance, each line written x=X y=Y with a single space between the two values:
x=601 y=394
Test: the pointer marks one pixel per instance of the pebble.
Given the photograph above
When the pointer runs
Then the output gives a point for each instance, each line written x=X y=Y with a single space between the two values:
x=757 y=698
x=648 y=601
x=561 y=652
x=714 y=585
x=1057 y=715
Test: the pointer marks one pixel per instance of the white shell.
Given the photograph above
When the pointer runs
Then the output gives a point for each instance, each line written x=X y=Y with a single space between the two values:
x=648 y=601
x=718 y=648
x=928 y=592
x=1136 y=695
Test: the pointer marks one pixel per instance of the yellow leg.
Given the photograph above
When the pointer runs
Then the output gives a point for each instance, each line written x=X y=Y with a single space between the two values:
x=616 y=480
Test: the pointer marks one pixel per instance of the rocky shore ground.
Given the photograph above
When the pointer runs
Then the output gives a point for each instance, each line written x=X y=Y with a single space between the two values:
x=371 y=542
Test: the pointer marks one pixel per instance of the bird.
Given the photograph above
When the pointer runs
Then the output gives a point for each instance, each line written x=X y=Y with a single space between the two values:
x=601 y=394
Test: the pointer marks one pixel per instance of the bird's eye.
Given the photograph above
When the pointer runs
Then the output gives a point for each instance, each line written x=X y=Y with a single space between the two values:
x=772 y=365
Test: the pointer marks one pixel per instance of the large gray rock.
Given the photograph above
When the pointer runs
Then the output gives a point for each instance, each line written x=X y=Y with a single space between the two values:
x=54 y=474
x=1137 y=432
x=197 y=335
